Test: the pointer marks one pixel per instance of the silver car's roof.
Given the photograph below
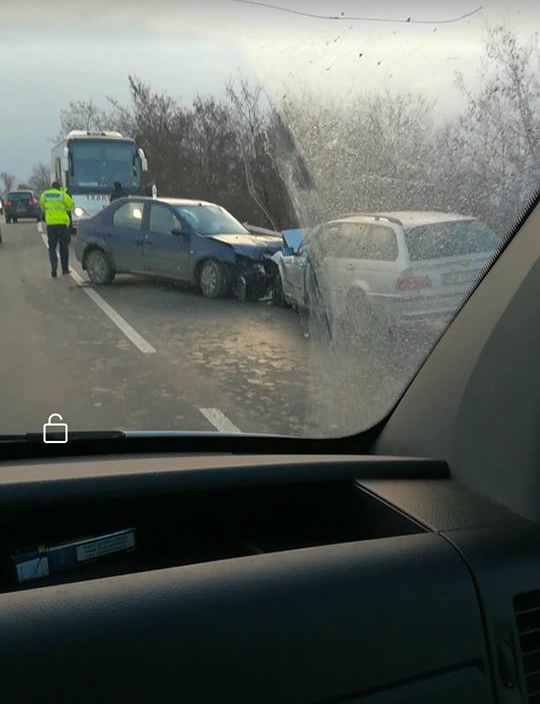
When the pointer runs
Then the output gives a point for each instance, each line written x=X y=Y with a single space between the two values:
x=408 y=218
x=414 y=218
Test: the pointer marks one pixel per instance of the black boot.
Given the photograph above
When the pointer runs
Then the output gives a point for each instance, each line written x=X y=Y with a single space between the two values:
x=53 y=273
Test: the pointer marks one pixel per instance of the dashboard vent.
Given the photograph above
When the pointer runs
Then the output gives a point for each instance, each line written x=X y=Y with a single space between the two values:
x=527 y=612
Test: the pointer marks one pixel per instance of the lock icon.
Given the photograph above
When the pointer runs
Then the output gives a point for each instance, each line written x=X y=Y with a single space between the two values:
x=52 y=429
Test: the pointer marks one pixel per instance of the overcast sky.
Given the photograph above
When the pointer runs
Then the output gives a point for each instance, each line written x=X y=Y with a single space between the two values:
x=53 y=54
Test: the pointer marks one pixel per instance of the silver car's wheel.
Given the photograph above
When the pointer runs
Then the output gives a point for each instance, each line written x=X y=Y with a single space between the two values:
x=98 y=267
x=278 y=295
x=212 y=280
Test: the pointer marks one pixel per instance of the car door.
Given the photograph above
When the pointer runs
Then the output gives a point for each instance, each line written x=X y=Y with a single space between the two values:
x=343 y=265
x=380 y=268
x=302 y=270
x=167 y=245
x=323 y=249
x=125 y=235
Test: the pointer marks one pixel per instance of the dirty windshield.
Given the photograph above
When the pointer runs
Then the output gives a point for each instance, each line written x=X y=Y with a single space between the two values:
x=244 y=217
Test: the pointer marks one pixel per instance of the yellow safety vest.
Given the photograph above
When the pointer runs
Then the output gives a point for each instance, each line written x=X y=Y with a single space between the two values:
x=56 y=205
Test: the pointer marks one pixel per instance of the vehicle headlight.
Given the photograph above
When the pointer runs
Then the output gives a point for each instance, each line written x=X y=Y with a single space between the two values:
x=79 y=212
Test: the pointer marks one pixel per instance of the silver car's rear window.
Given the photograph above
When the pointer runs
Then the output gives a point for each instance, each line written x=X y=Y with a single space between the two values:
x=449 y=239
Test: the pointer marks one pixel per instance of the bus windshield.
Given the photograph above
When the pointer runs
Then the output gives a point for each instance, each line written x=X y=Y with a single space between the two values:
x=96 y=164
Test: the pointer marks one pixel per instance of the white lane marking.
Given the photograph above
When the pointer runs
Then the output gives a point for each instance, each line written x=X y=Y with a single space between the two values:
x=132 y=335
x=219 y=420
x=130 y=332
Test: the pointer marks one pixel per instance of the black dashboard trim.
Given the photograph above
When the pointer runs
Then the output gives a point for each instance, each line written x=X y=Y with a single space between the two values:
x=53 y=481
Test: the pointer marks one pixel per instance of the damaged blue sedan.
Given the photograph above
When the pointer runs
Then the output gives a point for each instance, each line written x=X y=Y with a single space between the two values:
x=186 y=240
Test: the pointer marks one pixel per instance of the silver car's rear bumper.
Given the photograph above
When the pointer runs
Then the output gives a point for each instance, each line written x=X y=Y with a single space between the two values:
x=411 y=309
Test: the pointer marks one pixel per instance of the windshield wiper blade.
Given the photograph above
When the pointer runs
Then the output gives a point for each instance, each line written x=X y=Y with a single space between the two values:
x=96 y=435
x=72 y=435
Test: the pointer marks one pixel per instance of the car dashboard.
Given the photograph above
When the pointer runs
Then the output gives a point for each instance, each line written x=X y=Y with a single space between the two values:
x=268 y=579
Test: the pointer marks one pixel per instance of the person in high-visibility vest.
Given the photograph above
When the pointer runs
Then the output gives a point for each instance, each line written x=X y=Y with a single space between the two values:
x=57 y=206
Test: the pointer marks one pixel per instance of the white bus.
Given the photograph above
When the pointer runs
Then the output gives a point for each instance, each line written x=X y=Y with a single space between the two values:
x=87 y=164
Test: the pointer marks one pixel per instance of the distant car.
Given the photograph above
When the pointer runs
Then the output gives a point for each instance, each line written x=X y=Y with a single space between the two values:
x=21 y=204
x=402 y=268
x=188 y=240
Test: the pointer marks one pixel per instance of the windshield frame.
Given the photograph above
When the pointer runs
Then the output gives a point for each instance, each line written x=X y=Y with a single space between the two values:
x=400 y=189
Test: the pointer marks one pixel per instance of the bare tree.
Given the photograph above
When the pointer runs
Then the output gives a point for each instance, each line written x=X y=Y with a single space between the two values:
x=489 y=161
x=213 y=138
x=204 y=150
x=372 y=153
x=384 y=151
x=311 y=158
x=40 y=178
x=84 y=115
x=151 y=119
x=249 y=120
x=8 y=180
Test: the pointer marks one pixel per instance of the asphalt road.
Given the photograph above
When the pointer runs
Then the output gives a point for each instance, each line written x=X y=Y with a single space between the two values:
x=144 y=354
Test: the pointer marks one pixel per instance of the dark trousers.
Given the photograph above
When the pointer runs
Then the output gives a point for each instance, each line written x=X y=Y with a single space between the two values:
x=58 y=235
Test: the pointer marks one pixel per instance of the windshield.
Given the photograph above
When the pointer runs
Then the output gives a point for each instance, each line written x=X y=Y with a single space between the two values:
x=97 y=164
x=209 y=220
x=450 y=239
x=314 y=190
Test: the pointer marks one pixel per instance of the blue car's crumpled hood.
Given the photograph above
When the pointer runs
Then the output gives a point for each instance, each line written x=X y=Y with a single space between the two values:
x=252 y=246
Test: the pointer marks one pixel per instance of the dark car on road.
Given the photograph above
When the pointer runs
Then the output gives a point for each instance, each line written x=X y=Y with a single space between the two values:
x=187 y=240
x=21 y=204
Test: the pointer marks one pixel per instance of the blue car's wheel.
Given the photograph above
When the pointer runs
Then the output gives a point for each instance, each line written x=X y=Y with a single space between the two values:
x=98 y=267
x=213 y=280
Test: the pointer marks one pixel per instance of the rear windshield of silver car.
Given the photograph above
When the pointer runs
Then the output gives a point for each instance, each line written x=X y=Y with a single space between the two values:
x=450 y=239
